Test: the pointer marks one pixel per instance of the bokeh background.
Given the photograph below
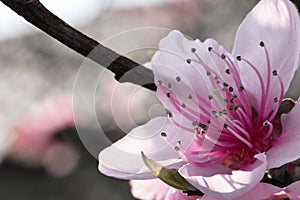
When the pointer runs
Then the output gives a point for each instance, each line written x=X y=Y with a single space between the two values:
x=43 y=157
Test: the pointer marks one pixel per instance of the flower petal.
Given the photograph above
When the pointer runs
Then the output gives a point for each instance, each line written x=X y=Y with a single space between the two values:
x=123 y=158
x=293 y=191
x=276 y=23
x=260 y=191
x=153 y=189
x=217 y=181
x=284 y=148
x=180 y=69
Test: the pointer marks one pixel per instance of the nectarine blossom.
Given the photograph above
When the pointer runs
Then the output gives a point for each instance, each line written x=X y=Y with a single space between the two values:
x=226 y=125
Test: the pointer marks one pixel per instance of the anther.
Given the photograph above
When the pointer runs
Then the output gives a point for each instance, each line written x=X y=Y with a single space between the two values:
x=236 y=107
x=262 y=44
x=190 y=96
x=223 y=56
x=202 y=132
x=188 y=61
x=210 y=97
x=226 y=100
x=159 y=82
x=275 y=73
x=208 y=121
x=163 y=134
x=169 y=85
x=169 y=113
x=266 y=123
x=241 y=88
x=178 y=78
x=275 y=99
x=177 y=148
x=208 y=73
x=193 y=50
x=227 y=71
x=183 y=105
x=225 y=126
x=195 y=123
x=239 y=58
x=210 y=48
x=168 y=94
x=203 y=126
x=225 y=84
x=231 y=89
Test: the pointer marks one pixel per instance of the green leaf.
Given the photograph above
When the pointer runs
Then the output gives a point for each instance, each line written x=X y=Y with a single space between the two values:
x=169 y=176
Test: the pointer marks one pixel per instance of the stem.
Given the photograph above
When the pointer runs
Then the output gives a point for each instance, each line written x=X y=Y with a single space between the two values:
x=37 y=14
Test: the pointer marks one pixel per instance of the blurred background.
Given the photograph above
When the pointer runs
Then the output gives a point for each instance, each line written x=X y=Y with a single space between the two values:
x=42 y=154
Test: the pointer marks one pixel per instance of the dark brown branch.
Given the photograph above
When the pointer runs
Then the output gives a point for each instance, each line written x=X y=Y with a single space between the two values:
x=38 y=15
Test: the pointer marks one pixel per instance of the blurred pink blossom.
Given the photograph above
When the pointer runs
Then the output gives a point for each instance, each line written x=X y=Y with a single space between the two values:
x=35 y=143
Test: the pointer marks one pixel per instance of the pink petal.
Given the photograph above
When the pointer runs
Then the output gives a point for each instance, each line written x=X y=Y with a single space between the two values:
x=219 y=182
x=123 y=158
x=293 y=190
x=187 y=83
x=285 y=148
x=153 y=189
x=276 y=23
x=260 y=191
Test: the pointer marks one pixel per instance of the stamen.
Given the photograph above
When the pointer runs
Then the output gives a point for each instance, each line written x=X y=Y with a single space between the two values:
x=270 y=130
x=262 y=44
x=263 y=103
x=238 y=136
x=163 y=134
x=262 y=85
x=168 y=94
x=241 y=88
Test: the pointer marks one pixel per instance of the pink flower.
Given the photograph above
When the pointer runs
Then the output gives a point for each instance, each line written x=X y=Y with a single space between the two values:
x=222 y=130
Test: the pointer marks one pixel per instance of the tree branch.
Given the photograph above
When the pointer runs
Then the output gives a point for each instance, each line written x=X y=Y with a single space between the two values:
x=38 y=15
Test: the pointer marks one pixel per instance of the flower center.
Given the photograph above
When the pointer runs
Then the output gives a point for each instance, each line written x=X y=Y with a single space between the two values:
x=229 y=128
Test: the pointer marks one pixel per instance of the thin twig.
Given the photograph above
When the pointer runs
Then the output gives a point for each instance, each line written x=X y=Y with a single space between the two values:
x=38 y=15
